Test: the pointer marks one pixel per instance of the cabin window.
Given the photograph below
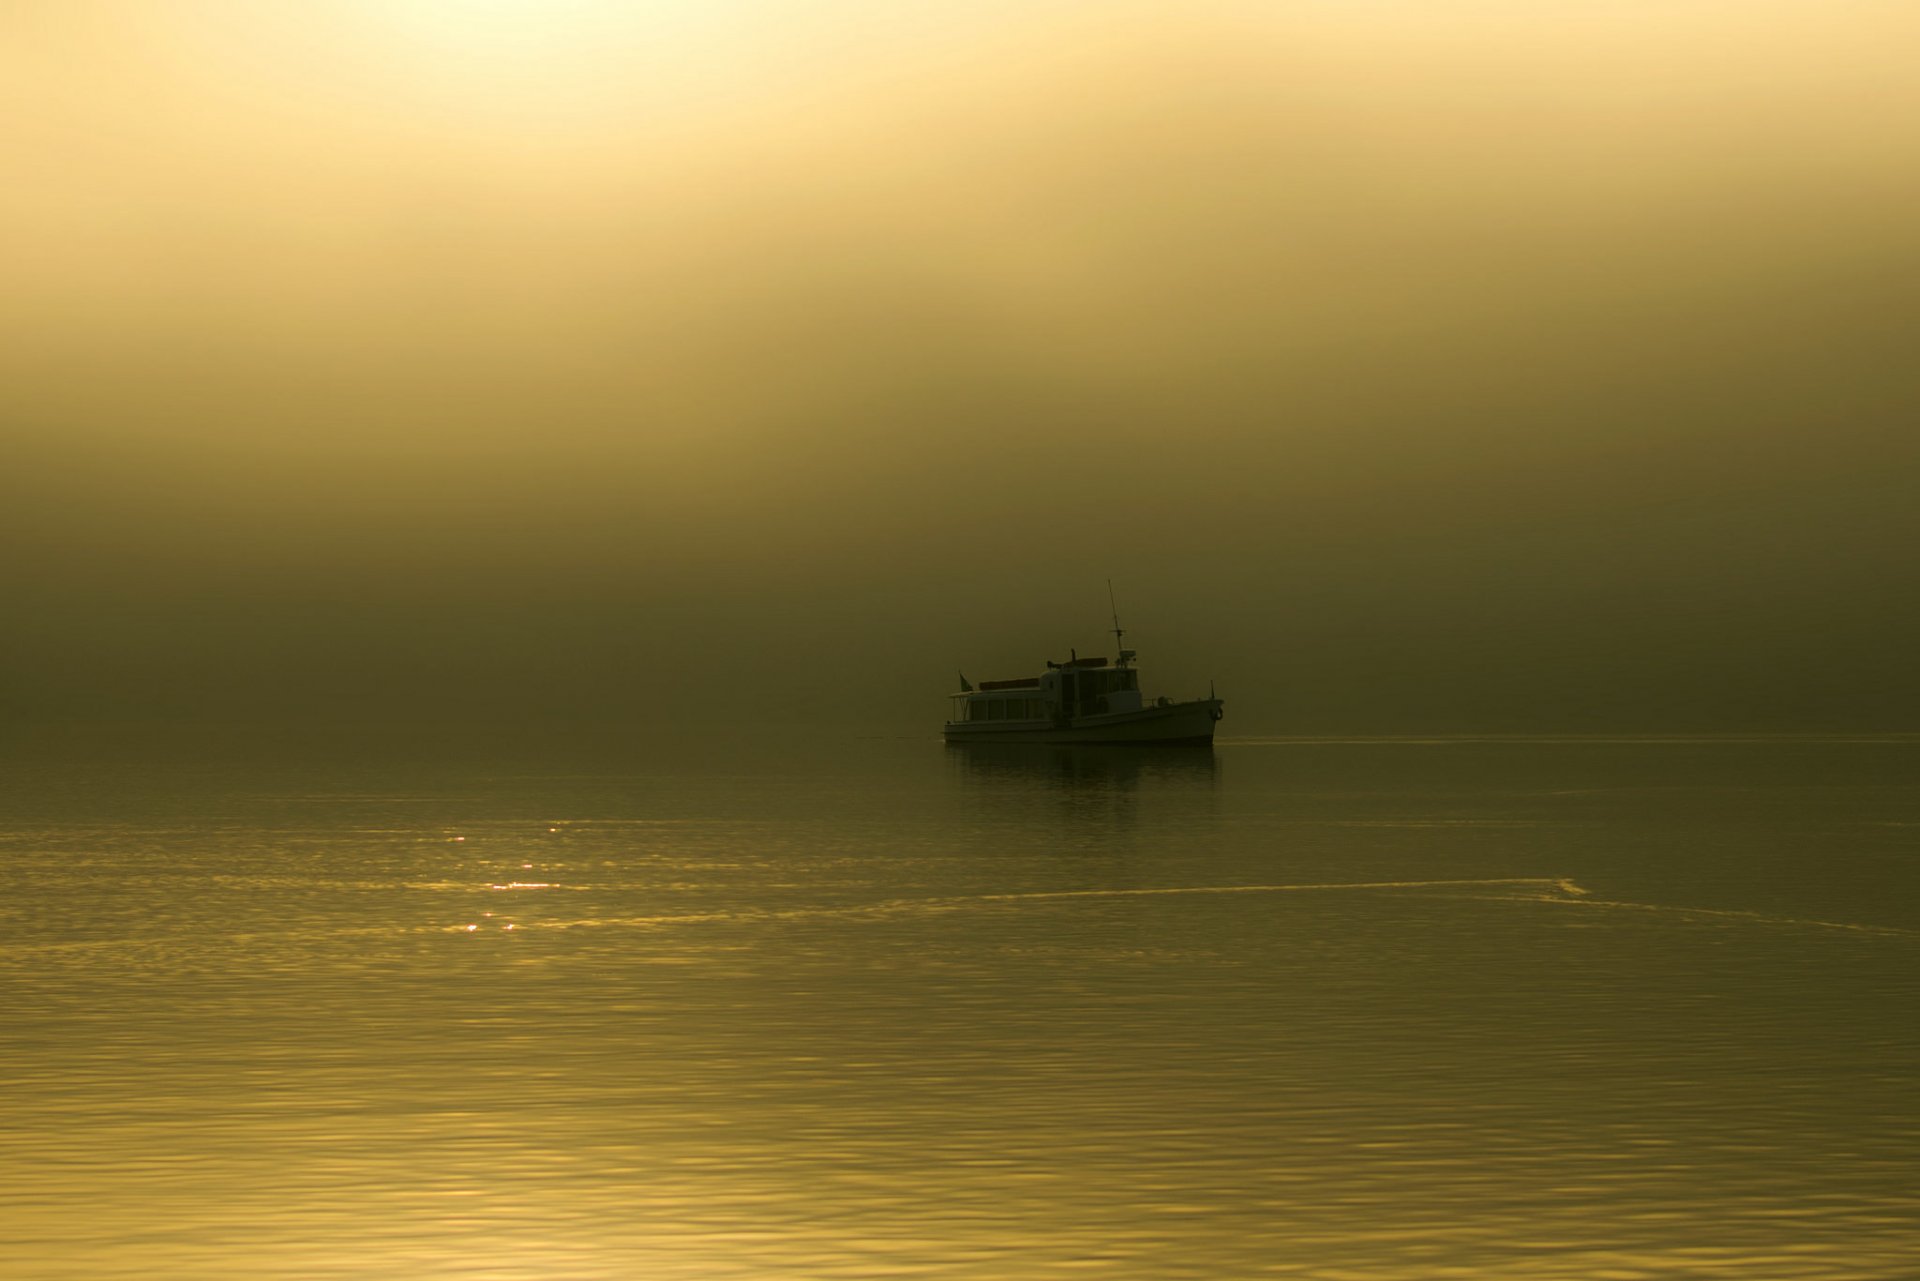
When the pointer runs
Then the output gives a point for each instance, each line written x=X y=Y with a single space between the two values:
x=999 y=709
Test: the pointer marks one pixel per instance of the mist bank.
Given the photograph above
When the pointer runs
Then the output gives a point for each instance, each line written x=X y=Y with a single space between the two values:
x=1408 y=371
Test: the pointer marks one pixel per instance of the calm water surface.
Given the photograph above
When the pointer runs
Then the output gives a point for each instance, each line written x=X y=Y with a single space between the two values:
x=878 y=1008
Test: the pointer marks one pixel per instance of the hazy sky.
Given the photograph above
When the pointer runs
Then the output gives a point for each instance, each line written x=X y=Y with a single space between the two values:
x=1408 y=366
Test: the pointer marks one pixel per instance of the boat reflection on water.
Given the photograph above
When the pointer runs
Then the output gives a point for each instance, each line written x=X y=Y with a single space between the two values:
x=1082 y=797
x=1084 y=767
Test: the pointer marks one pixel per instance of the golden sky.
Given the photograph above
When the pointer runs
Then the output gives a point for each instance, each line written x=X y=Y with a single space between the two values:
x=1515 y=361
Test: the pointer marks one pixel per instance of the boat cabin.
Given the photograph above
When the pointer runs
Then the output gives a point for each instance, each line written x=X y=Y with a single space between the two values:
x=1077 y=687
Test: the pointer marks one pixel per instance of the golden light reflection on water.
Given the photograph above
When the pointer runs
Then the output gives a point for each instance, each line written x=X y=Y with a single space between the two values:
x=1373 y=1016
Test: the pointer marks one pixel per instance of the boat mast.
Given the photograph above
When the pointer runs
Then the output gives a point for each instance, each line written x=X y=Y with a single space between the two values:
x=1125 y=653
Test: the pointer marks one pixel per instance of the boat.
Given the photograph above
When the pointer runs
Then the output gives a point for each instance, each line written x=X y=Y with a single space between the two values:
x=1081 y=700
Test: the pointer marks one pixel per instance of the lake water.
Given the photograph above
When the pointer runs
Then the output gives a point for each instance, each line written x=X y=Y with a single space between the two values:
x=864 y=1008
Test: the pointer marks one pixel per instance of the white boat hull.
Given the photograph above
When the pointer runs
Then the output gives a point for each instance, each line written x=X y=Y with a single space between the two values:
x=1189 y=722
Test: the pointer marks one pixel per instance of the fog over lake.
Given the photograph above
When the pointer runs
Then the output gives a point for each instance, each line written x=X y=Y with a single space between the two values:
x=1408 y=367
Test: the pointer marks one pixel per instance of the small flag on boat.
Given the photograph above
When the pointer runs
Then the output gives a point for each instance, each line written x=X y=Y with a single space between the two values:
x=964 y=687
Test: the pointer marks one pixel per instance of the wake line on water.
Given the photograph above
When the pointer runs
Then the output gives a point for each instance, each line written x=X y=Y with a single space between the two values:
x=1560 y=883
x=1667 y=909
x=960 y=903
x=1559 y=890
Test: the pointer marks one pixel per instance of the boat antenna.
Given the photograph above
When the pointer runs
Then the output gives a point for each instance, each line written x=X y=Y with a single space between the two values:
x=1117 y=633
